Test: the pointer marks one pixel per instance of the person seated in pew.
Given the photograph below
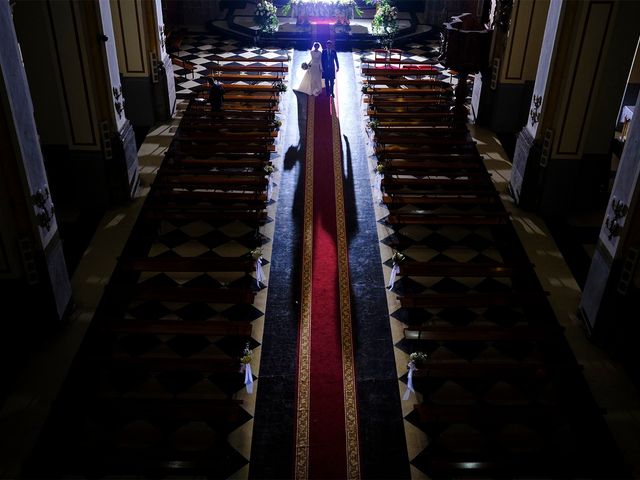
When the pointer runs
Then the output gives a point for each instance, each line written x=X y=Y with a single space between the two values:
x=216 y=95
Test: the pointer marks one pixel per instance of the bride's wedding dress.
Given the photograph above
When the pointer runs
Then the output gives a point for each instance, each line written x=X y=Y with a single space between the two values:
x=311 y=83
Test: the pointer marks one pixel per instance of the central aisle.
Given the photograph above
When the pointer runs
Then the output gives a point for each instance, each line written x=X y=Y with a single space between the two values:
x=327 y=426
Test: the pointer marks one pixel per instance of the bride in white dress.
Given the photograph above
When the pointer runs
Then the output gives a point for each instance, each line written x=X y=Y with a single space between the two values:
x=311 y=83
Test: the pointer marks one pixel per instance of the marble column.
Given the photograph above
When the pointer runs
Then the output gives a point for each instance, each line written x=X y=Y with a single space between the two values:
x=145 y=66
x=502 y=92
x=33 y=273
x=609 y=303
x=562 y=156
x=88 y=143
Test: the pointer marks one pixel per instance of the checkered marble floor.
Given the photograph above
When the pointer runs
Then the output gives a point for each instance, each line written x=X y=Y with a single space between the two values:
x=203 y=49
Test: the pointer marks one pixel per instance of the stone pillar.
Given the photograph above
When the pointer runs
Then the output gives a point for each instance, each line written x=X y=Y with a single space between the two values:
x=33 y=273
x=145 y=66
x=502 y=93
x=610 y=299
x=562 y=156
x=88 y=143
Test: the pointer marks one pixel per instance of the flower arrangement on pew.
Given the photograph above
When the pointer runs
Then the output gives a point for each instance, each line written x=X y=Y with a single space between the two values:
x=280 y=87
x=245 y=367
x=396 y=258
x=266 y=17
x=415 y=359
x=276 y=123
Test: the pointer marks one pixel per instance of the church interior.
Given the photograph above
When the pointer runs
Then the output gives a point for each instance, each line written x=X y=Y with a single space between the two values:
x=430 y=273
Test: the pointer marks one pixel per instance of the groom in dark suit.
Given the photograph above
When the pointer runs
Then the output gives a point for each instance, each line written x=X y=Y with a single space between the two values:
x=330 y=66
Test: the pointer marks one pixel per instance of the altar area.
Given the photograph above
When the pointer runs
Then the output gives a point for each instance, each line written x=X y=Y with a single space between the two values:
x=344 y=17
x=350 y=24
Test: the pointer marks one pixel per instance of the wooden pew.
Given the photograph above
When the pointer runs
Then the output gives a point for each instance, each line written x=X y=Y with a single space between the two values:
x=201 y=150
x=426 y=156
x=243 y=88
x=440 y=147
x=468 y=300
x=248 y=68
x=452 y=141
x=225 y=115
x=219 y=162
x=461 y=218
x=184 y=64
x=489 y=370
x=488 y=414
x=210 y=179
x=257 y=59
x=221 y=412
x=264 y=136
x=253 y=217
x=394 y=200
x=191 y=294
x=409 y=102
x=445 y=129
x=421 y=118
x=428 y=71
x=457 y=269
x=425 y=83
x=464 y=184
x=188 y=264
x=219 y=366
x=236 y=77
x=409 y=93
x=207 y=328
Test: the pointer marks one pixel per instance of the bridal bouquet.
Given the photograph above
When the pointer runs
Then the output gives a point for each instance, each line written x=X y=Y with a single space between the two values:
x=305 y=66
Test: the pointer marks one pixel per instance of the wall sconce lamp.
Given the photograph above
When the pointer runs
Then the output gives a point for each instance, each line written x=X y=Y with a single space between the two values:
x=619 y=210
x=40 y=199
x=535 y=111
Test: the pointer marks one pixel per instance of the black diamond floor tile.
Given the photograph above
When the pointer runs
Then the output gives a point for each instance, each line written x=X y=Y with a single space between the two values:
x=148 y=310
x=178 y=382
x=187 y=345
x=242 y=313
x=174 y=238
x=460 y=317
x=136 y=345
x=449 y=285
x=196 y=311
x=234 y=346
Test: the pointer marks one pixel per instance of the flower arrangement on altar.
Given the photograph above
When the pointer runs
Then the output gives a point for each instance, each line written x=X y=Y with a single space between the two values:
x=266 y=17
x=322 y=8
x=385 y=22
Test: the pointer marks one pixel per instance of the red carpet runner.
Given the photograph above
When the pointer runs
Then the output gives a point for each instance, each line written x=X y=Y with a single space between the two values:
x=327 y=426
